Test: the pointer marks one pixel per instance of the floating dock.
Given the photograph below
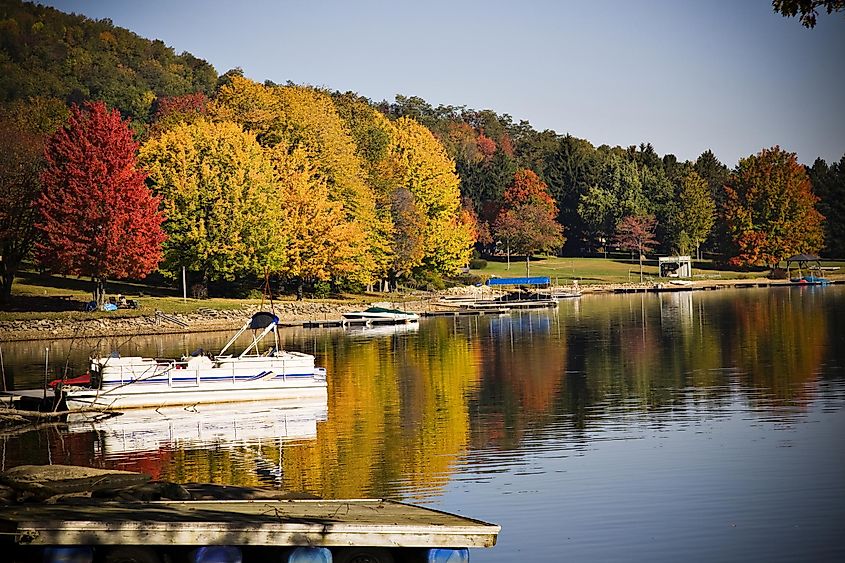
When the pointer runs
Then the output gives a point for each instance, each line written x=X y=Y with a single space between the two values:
x=315 y=523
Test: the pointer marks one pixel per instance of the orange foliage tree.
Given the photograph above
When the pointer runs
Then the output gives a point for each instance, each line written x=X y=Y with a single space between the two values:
x=770 y=209
x=527 y=221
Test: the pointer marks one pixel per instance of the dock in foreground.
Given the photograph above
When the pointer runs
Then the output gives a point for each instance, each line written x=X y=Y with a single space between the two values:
x=322 y=523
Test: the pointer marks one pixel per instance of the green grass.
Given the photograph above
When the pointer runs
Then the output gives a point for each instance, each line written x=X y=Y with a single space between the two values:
x=613 y=270
x=37 y=296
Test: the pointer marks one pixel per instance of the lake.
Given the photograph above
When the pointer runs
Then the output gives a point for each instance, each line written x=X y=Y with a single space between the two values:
x=705 y=426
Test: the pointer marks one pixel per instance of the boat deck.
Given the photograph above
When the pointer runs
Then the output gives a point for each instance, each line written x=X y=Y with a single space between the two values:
x=325 y=523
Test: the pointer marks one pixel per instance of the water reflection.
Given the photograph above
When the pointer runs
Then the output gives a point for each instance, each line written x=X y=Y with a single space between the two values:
x=203 y=426
x=527 y=403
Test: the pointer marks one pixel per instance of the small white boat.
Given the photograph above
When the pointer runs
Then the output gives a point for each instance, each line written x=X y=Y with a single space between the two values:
x=131 y=382
x=382 y=314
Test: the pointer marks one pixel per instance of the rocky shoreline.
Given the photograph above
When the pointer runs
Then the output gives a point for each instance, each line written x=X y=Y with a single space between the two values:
x=291 y=313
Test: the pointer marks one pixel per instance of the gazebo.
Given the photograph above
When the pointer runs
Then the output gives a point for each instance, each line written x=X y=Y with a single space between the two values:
x=802 y=261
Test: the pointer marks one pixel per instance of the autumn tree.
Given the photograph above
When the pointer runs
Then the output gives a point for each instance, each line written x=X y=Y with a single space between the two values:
x=217 y=188
x=169 y=111
x=98 y=218
x=636 y=233
x=429 y=175
x=24 y=128
x=289 y=118
x=770 y=209
x=408 y=234
x=527 y=222
x=317 y=244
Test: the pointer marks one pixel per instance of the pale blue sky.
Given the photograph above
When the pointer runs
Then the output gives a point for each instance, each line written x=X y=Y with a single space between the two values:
x=729 y=75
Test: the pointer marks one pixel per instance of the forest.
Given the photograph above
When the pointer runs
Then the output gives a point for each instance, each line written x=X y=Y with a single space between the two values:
x=120 y=158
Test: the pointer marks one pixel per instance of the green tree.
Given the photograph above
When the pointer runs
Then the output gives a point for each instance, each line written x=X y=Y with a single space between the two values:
x=44 y=52
x=696 y=213
x=716 y=175
x=617 y=194
x=569 y=172
x=829 y=184
x=770 y=209
x=217 y=187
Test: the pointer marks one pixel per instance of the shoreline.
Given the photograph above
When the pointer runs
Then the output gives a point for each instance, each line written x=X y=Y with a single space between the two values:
x=296 y=313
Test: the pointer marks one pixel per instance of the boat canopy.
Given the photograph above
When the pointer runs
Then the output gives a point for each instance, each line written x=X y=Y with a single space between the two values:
x=262 y=320
x=535 y=280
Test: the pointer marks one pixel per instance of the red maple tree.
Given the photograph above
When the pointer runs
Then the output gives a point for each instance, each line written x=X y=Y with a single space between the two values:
x=98 y=218
x=636 y=232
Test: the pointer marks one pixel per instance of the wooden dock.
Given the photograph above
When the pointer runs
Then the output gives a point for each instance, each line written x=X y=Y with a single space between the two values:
x=319 y=523
x=669 y=288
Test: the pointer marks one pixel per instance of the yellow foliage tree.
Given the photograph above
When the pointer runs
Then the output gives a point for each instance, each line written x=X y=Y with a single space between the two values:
x=429 y=175
x=294 y=118
x=319 y=243
x=217 y=185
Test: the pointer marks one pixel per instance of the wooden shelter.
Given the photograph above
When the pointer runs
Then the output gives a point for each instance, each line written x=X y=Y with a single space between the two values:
x=803 y=262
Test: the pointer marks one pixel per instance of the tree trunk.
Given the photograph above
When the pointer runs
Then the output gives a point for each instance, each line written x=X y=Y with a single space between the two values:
x=6 y=279
x=300 y=289
x=528 y=264
x=641 y=267
x=508 y=250
x=99 y=292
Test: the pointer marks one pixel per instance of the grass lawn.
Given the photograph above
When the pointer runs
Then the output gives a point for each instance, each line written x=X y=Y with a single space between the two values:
x=611 y=270
x=37 y=296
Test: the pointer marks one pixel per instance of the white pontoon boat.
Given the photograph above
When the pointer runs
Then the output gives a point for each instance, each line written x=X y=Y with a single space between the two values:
x=128 y=382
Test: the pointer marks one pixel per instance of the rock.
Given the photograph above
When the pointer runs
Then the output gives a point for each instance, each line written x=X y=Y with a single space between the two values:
x=7 y=495
x=39 y=482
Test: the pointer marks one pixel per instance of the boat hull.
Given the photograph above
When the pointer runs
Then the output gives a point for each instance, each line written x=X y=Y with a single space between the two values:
x=136 y=382
x=137 y=396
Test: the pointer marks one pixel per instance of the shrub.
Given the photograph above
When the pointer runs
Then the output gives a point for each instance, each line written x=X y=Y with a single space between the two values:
x=427 y=281
x=477 y=264
x=322 y=289
x=254 y=294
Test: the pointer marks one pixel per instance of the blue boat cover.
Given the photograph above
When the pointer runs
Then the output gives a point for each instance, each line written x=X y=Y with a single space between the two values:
x=536 y=280
x=262 y=319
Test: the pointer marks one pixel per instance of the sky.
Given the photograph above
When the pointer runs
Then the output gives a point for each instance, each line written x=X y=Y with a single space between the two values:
x=685 y=75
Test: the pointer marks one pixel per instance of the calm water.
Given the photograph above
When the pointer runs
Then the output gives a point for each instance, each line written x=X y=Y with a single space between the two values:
x=704 y=426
